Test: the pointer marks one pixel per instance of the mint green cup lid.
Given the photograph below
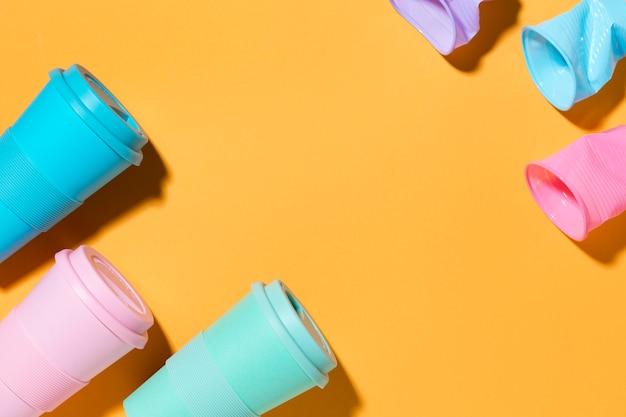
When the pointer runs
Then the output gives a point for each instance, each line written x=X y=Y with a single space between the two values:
x=301 y=328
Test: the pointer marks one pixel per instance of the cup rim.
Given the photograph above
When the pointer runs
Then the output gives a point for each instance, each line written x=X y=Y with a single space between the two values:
x=65 y=91
x=307 y=366
x=301 y=326
x=576 y=233
x=105 y=106
x=562 y=104
x=96 y=306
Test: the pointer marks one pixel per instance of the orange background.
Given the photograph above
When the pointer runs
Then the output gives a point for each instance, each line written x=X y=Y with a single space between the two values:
x=327 y=144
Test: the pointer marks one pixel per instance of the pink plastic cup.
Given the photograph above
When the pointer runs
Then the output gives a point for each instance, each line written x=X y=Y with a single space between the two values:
x=79 y=319
x=584 y=184
x=446 y=24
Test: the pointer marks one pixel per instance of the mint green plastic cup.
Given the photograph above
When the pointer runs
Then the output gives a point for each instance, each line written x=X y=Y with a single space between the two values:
x=263 y=352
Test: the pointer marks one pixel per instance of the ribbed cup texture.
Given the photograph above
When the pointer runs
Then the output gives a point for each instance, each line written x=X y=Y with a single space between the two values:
x=593 y=170
x=201 y=385
x=446 y=24
x=28 y=373
x=26 y=192
x=466 y=20
x=571 y=56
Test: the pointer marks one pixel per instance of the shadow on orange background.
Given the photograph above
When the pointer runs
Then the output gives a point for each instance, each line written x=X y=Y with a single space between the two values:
x=131 y=188
x=589 y=113
x=108 y=389
x=337 y=399
x=495 y=18
x=607 y=241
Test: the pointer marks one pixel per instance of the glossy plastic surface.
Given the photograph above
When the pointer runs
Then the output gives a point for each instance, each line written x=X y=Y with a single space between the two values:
x=571 y=56
x=584 y=184
x=447 y=24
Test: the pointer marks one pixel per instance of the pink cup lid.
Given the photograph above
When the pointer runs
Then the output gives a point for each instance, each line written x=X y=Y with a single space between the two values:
x=107 y=294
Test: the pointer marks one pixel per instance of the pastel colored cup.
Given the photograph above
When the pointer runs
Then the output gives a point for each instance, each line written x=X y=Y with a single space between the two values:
x=264 y=351
x=78 y=320
x=583 y=185
x=571 y=56
x=446 y=24
x=72 y=139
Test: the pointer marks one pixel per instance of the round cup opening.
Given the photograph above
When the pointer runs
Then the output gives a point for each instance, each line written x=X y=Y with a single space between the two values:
x=308 y=322
x=433 y=19
x=113 y=103
x=118 y=285
x=550 y=69
x=558 y=201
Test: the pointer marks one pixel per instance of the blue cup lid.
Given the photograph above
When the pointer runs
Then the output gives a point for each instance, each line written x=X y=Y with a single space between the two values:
x=101 y=111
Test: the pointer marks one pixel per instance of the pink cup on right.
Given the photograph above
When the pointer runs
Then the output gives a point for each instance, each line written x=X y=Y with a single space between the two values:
x=584 y=184
x=79 y=319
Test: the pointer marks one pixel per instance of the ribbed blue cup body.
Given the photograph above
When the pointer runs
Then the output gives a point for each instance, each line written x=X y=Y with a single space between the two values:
x=64 y=147
x=572 y=56
x=244 y=365
x=15 y=233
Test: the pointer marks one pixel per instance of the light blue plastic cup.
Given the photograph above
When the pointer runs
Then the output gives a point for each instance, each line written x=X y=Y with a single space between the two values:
x=572 y=56
x=73 y=138
x=264 y=351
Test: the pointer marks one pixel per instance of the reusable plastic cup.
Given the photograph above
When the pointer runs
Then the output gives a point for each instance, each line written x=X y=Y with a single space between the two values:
x=571 y=56
x=72 y=139
x=79 y=319
x=264 y=351
x=584 y=184
x=446 y=24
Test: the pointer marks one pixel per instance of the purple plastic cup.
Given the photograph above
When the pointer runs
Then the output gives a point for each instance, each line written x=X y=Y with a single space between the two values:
x=584 y=184
x=446 y=24
x=79 y=319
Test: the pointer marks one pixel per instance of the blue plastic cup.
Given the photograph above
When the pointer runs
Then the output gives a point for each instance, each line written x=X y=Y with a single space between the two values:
x=572 y=56
x=73 y=138
x=264 y=351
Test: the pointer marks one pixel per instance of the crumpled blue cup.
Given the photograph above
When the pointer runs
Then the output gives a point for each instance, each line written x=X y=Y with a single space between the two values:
x=571 y=56
x=73 y=138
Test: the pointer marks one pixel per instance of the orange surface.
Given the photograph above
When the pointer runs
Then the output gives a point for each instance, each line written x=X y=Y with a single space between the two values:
x=329 y=145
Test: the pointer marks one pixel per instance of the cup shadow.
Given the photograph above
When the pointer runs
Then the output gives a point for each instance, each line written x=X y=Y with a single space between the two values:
x=338 y=399
x=109 y=389
x=495 y=18
x=607 y=241
x=589 y=113
x=129 y=189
